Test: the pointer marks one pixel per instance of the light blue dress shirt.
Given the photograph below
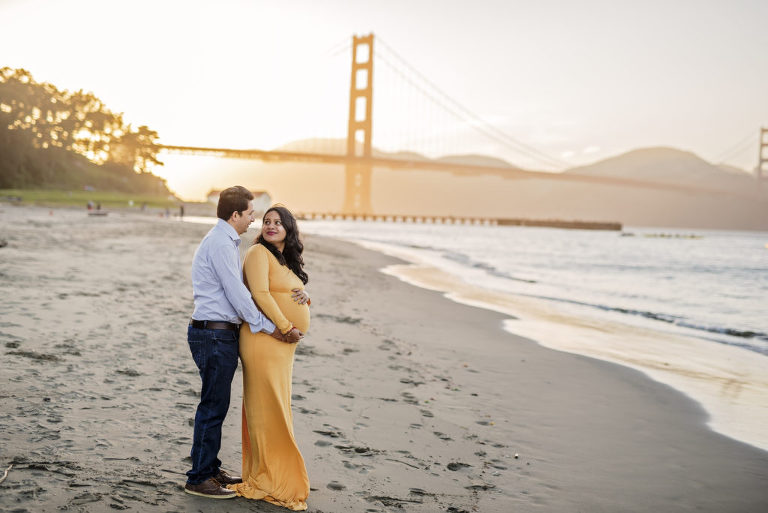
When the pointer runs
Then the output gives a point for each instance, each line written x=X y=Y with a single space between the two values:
x=217 y=282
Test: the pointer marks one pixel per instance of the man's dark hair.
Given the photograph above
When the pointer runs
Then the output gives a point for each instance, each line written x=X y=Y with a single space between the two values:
x=231 y=200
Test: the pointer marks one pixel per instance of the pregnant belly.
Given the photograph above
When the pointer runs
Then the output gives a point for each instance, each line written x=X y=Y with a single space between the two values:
x=296 y=313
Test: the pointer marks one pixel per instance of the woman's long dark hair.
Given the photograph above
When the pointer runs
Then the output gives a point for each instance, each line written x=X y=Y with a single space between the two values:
x=291 y=255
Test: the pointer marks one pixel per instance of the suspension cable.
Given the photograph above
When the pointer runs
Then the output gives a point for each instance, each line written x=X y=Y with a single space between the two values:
x=467 y=115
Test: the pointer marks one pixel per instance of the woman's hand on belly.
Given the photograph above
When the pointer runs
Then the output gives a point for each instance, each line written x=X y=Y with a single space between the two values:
x=300 y=296
x=297 y=313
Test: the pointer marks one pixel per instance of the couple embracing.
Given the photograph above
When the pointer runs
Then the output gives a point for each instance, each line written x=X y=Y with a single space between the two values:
x=227 y=323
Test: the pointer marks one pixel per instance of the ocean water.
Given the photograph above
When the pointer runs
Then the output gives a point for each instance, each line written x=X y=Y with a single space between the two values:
x=712 y=285
x=688 y=308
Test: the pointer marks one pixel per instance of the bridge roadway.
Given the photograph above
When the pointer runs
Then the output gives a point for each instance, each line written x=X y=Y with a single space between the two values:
x=507 y=172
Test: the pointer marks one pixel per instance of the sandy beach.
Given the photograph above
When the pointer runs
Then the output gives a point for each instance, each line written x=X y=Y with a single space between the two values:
x=403 y=400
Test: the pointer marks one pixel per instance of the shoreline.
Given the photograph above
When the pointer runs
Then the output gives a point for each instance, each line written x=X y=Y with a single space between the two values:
x=730 y=383
x=402 y=400
x=734 y=392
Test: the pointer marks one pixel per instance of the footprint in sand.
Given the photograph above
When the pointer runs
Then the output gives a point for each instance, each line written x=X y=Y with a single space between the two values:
x=332 y=432
x=129 y=372
x=40 y=357
x=360 y=468
x=85 y=498
x=481 y=486
x=357 y=450
x=336 y=486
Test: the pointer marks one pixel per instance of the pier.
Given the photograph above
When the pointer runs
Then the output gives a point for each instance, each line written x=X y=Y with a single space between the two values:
x=462 y=220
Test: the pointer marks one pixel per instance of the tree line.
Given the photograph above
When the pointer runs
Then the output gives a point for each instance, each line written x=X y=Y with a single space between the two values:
x=57 y=138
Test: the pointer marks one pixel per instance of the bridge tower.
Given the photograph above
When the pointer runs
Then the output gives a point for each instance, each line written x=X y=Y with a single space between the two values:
x=762 y=156
x=357 y=195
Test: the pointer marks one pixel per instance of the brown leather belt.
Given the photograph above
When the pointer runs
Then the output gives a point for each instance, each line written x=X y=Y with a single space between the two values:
x=213 y=325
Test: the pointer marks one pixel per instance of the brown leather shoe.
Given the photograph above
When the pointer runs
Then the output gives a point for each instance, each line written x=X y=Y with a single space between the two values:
x=209 y=488
x=226 y=479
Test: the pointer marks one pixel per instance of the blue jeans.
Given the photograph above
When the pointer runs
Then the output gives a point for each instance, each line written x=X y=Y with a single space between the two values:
x=215 y=353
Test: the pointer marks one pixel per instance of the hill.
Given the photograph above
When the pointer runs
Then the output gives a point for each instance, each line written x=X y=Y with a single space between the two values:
x=713 y=196
x=24 y=166
x=339 y=147
x=671 y=166
x=58 y=139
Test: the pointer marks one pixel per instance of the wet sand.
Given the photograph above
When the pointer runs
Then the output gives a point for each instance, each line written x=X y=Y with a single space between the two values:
x=403 y=400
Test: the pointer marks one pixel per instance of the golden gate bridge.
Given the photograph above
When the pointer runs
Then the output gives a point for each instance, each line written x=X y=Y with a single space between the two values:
x=359 y=159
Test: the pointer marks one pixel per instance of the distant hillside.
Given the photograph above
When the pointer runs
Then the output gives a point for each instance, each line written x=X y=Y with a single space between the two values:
x=476 y=160
x=23 y=166
x=710 y=197
x=731 y=200
x=339 y=147
x=735 y=170
x=672 y=166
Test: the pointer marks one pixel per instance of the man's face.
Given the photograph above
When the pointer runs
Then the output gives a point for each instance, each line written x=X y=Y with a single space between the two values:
x=242 y=220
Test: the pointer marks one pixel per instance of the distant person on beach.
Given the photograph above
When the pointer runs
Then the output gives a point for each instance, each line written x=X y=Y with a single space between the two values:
x=273 y=468
x=221 y=301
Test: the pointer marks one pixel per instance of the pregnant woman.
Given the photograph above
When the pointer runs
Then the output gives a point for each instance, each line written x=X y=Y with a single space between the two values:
x=273 y=468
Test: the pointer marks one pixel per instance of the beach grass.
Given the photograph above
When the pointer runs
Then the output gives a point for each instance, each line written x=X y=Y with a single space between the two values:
x=107 y=199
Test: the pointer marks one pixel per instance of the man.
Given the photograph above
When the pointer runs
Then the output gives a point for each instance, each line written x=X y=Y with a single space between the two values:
x=221 y=301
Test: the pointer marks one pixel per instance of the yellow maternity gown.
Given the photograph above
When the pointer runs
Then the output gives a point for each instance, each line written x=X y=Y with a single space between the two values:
x=273 y=468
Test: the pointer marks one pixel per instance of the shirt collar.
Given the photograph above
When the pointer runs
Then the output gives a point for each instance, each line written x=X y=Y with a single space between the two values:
x=229 y=230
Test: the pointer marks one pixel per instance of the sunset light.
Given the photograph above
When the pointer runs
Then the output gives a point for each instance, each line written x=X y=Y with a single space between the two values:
x=342 y=256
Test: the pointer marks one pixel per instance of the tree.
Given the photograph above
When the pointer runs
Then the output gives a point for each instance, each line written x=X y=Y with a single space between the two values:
x=76 y=122
x=136 y=148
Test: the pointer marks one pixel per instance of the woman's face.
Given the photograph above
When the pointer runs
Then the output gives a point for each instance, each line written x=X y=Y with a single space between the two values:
x=272 y=228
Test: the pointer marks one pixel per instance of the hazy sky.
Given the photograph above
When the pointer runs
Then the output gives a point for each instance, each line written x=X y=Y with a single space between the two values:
x=580 y=81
